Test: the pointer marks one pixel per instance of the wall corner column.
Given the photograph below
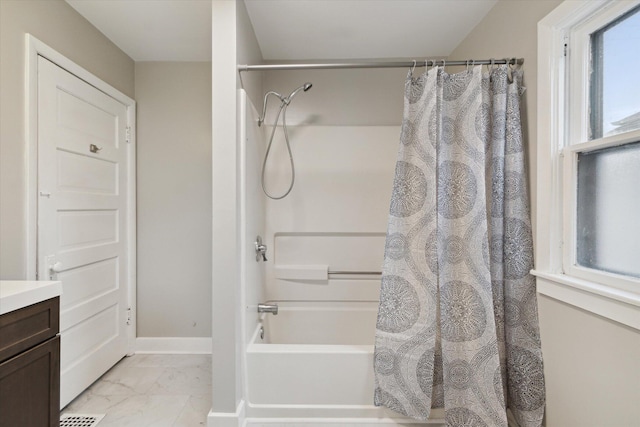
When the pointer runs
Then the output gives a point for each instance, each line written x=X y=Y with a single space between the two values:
x=226 y=360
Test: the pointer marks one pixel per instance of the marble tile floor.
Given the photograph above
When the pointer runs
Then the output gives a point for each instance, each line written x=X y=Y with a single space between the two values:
x=172 y=390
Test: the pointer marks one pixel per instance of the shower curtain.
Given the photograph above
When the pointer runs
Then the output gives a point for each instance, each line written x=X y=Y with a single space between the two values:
x=457 y=322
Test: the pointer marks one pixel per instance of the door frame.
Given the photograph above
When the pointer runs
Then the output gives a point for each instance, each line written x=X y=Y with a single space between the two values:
x=35 y=48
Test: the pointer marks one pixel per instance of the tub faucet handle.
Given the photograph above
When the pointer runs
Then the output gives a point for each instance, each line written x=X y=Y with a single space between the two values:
x=261 y=249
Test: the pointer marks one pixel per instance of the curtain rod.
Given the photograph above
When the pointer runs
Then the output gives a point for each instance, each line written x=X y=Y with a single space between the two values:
x=403 y=64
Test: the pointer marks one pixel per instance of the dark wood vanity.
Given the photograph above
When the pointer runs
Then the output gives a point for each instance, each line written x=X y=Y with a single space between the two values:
x=30 y=365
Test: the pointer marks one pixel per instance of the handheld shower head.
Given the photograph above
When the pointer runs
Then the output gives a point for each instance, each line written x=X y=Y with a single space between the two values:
x=304 y=87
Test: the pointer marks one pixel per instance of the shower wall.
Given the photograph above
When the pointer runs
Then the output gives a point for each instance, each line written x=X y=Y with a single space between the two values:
x=344 y=135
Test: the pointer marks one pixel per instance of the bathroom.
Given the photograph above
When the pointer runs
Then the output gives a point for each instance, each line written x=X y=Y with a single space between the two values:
x=344 y=133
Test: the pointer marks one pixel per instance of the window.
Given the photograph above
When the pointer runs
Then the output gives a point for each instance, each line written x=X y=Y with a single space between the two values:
x=608 y=210
x=601 y=152
x=614 y=82
x=589 y=157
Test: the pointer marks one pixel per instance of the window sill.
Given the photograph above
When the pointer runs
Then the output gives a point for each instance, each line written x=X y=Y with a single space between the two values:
x=611 y=303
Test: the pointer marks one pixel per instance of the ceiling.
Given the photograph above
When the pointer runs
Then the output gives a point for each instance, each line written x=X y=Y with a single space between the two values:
x=343 y=29
x=153 y=30
x=180 y=30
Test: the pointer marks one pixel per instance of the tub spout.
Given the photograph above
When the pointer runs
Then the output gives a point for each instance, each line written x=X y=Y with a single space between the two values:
x=268 y=308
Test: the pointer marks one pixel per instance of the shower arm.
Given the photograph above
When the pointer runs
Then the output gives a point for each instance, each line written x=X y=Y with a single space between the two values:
x=285 y=101
x=264 y=105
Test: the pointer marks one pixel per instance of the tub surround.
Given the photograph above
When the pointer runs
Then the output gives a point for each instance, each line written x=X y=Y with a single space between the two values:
x=17 y=294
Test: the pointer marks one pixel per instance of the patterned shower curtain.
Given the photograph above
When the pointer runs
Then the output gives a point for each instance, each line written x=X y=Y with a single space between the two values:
x=457 y=323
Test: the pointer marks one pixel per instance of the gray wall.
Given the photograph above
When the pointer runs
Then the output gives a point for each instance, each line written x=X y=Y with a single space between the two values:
x=592 y=368
x=174 y=198
x=58 y=25
x=592 y=365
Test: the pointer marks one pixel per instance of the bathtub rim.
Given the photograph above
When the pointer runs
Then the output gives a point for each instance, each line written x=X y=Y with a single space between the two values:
x=255 y=346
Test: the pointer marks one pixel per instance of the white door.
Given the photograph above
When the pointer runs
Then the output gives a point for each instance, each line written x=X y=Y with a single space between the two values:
x=82 y=221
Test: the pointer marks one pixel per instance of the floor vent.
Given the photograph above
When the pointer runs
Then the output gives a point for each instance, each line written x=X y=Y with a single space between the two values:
x=80 y=420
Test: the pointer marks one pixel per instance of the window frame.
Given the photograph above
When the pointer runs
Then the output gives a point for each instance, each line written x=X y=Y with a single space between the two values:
x=564 y=52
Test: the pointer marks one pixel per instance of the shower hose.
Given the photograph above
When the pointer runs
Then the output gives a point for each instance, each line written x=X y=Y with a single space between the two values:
x=283 y=111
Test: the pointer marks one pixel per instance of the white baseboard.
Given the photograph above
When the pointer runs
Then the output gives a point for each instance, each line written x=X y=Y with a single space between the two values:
x=227 y=419
x=173 y=345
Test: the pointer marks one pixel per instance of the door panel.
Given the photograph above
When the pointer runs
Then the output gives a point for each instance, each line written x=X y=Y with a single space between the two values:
x=86 y=121
x=90 y=281
x=79 y=229
x=95 y=331
x=82 y=222
x=88 y=175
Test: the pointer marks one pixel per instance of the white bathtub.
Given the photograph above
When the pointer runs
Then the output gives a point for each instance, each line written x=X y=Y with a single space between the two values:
x=316 y=361
x=318 y=354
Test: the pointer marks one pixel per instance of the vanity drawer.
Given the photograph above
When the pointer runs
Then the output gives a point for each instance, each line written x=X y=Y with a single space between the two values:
x=26 y=327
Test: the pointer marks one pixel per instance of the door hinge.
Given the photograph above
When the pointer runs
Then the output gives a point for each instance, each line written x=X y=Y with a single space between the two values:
x=129 y=316
x=128 y=134
x=566 y=48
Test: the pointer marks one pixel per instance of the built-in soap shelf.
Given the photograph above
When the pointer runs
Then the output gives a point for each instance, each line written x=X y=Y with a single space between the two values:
x=323 y=256
x=319 y=272
x=302 y=272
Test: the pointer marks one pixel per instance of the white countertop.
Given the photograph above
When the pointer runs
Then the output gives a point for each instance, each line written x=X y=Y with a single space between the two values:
x=16 y=294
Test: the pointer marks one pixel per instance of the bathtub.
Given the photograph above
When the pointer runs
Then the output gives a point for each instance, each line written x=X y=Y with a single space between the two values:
x=315 y=360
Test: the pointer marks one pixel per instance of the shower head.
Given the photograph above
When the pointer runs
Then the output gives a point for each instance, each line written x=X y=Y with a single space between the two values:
x=306 y=86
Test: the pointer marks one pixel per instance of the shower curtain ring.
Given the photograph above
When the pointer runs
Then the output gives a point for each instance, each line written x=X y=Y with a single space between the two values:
x=509 y=69
x=413 y=67
x=431 y=62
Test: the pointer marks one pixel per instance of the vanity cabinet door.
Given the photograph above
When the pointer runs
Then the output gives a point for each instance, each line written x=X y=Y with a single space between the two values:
x=30 y=387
